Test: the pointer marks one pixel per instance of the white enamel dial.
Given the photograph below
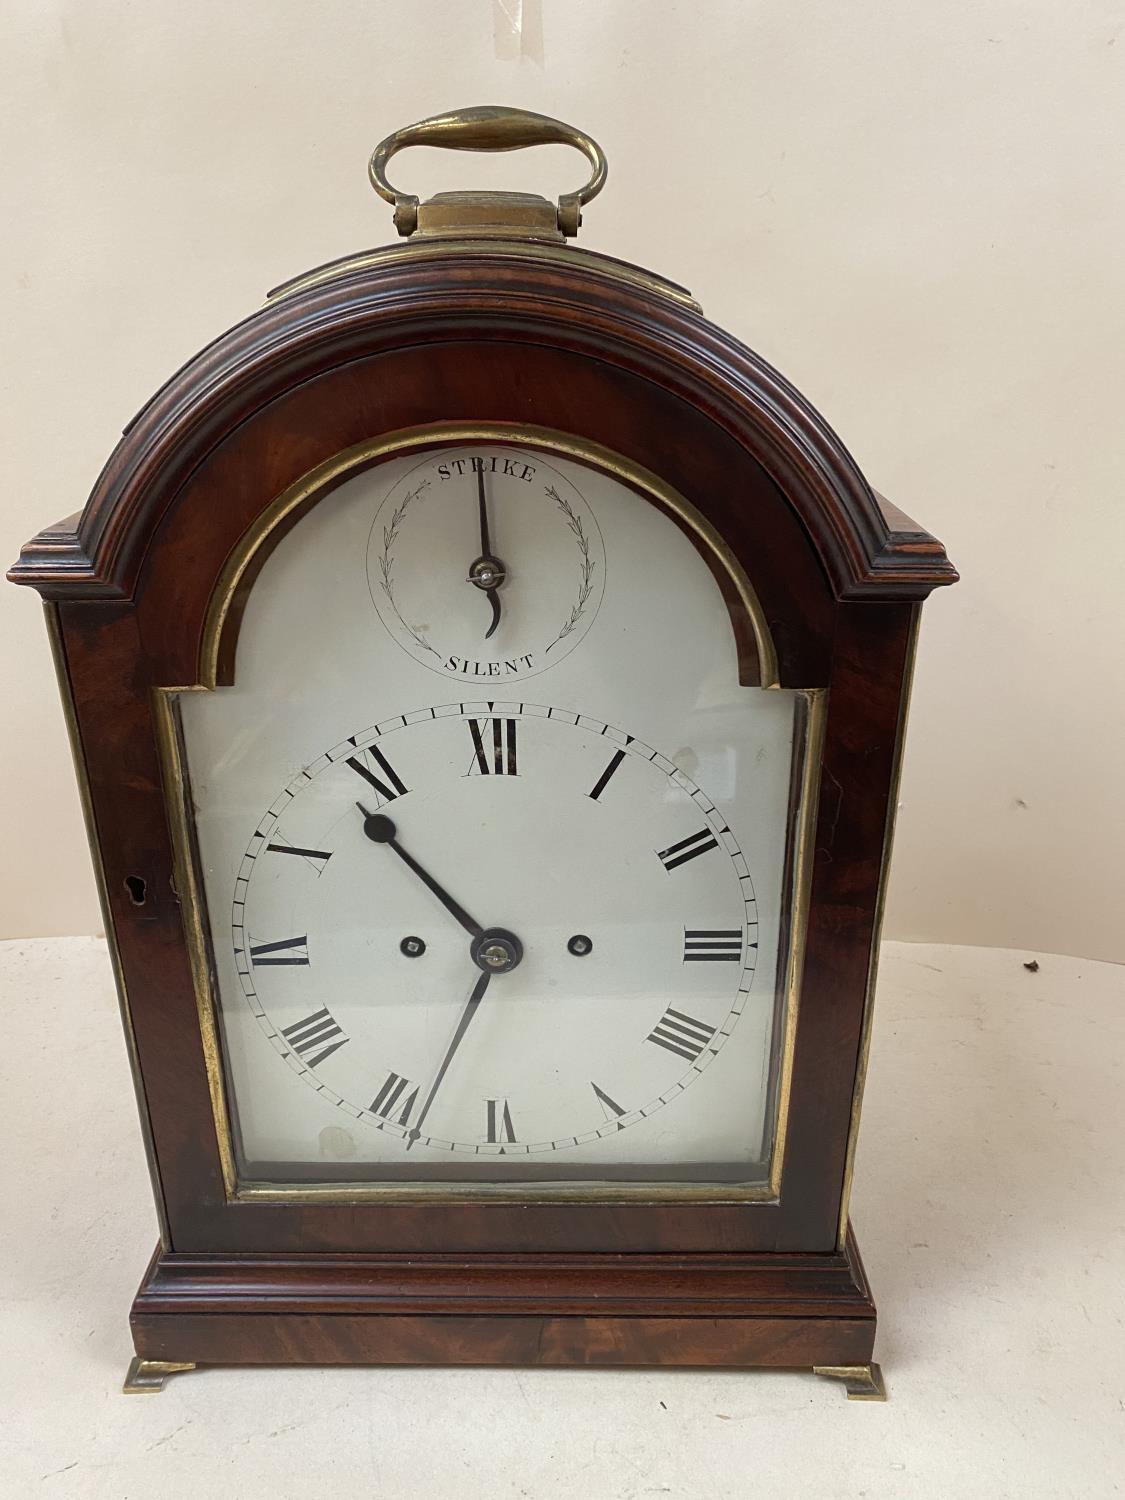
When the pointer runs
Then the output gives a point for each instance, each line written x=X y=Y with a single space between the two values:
x=630 y=898
x=383 y=798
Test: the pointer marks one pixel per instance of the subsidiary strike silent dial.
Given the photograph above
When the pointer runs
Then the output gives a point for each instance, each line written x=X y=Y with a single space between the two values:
x=501 y=523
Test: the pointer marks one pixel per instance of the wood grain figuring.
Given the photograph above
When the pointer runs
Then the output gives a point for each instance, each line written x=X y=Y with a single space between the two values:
x=737 y=1311
x=739 y=1343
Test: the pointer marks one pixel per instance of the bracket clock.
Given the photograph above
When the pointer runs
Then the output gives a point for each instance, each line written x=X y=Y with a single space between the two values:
x=487 y=682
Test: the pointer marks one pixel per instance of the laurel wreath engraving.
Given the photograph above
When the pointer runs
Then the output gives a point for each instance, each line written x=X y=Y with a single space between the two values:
x=574 y=524
x=585 y=587
x=386 y=562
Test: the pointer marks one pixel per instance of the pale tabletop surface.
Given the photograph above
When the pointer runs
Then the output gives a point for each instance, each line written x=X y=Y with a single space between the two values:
x=989 y=1206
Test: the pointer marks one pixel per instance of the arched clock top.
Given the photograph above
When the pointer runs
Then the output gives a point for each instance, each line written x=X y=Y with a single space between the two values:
x=563 y=339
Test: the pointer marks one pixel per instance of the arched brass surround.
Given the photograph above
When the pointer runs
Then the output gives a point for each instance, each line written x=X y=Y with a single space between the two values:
x=216 y=657
x=216 y=669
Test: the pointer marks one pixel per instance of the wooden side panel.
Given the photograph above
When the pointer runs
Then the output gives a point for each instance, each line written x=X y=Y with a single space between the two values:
x=109 y=684
x=869 y=660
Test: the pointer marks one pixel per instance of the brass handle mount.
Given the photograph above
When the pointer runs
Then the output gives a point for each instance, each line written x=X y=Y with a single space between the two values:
x=487 y=127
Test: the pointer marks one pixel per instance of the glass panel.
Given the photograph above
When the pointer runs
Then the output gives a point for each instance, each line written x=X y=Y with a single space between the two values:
x=496 y=851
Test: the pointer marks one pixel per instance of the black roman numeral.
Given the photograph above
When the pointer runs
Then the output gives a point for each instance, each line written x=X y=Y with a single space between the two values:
x=689 y=848
x=610 y=1108
x=498 y=1121
x=603 y=779
x=391 y=1098
x=717 y=947
x=311 y=1034
x=681 y=1034
x=368 y=763
x=287 y=951
x=318 y=858
x=494 y=748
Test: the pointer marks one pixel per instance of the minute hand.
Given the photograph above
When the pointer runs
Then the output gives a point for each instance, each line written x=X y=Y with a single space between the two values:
x=467 y=1015
x=381 y=830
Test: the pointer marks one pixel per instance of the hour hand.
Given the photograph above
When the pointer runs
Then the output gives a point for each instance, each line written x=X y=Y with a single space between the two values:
x=381 y=830
x=483 y=569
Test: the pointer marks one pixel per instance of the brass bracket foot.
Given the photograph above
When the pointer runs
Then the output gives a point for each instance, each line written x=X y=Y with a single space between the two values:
x=862 y=1382
x=146 y=1376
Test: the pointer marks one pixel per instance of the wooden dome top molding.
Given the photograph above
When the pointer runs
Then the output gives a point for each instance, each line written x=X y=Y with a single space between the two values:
x=574 y=301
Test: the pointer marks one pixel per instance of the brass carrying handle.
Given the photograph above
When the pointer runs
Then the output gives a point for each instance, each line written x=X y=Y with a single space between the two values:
x=487 y=127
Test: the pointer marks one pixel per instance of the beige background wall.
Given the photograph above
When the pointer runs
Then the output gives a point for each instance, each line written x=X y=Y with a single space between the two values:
x=916 y=211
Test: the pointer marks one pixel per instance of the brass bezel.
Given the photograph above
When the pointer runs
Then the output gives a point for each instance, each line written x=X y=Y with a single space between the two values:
x=217 y=644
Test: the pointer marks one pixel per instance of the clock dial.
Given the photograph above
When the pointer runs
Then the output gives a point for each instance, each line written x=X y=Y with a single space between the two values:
x=486 y=564
x=492 y=934
x=631 y=905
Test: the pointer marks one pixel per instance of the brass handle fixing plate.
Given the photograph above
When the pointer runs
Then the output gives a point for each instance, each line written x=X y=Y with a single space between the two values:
x=487 y=127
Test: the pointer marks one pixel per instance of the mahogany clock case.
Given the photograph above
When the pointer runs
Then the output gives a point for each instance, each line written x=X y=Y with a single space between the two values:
x=477 y=336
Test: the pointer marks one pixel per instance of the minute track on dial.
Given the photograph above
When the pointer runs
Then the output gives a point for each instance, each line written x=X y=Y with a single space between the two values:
x=514 y=839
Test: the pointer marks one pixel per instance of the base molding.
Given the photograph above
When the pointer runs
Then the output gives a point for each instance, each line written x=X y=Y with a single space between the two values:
x=735 y=1311
x=707 y=1284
